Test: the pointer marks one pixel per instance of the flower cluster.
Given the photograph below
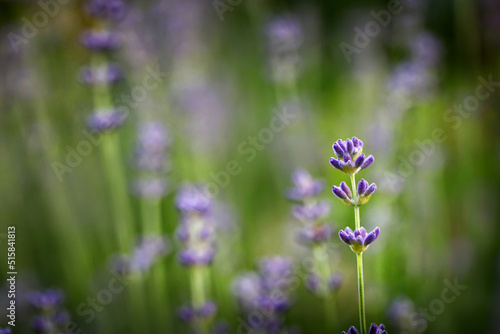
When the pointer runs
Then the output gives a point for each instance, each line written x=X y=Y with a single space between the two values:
x=148 y=251
x=365 y=191
x=350 y=158
x=374 y=329
x=266 y=292
x=196 y=231
x=51 y=317
x=359 y=240
x=151 y=159
x=309 y=210
x=100 y=74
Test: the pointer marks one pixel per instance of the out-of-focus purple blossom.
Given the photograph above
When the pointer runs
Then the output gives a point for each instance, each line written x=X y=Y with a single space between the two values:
x=48 y=299
x=152 y=143
x=311 y=213
x=108 y=74
x=112 y=10
x=335 y=282
x=188 y=313
x=399 y=312
x=100 y=40
x=191 y=199
x=285 y=34
x=148 y=251
x=267 y=291
x=305 y=186
x=51 y=317
x=426 y=48
x=220 y=327
x=196 y=231
x=350 y=158
x=359 y=239
x=313 y=284
x=105 y=120
x=364 y=191
x=315 y=234
x=5 y=331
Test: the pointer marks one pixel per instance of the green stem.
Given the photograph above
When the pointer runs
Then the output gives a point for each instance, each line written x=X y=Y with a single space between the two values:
x=198 y=293
x=361 y=284
x=361 y=293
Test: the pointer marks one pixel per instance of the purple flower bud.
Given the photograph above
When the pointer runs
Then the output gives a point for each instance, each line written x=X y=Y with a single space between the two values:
x=186 y=314
x=368 y=161
x=48 y=299
x=313 y=283
x=362 y=185
x=338 y=151
x=5 y=331
x=350 y=146
x=311 y=213
x=342 y=146
x=359 y=161
x=105 y=120
x=355 y=142
x=351 y=330
x=207 y=311
x=344 y=237
x=339 y=193
x=347 y=158
x=345 y=188
x=370 y=190
x=335 y=163
x=192 y=199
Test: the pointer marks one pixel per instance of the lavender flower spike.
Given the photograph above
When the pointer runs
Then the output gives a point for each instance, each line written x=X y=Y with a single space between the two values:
x=359 y=240
x=350 y=159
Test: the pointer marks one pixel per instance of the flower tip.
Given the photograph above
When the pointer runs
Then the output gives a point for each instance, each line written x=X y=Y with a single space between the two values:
x=368 y=161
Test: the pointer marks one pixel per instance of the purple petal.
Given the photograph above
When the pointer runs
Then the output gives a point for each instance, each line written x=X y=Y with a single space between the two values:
x=352 y=330
x=355 y=141
x=360 y=160
x=346 y=189
x=362 y=185
x=338 y=151
x=344 y=237
x=342 y=145
x=371 y=189
x=335 y=163
x=348 y=230
x=376 y=231
x=359 y=240
x=339 y=192
x=363 y=232
x=350 y=146
x=373 y=329
x=370 y=238
x=347 y=158
x=360 y=143
x=368 y=161
x=357 y=233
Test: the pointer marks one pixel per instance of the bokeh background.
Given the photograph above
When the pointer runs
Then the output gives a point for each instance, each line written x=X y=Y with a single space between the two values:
x=227 y=69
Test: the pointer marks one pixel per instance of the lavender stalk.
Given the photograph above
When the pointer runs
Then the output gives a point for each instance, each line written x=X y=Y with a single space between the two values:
x=351 y=160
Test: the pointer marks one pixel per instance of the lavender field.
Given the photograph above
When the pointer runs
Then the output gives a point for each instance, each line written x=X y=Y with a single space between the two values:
x=234 y=167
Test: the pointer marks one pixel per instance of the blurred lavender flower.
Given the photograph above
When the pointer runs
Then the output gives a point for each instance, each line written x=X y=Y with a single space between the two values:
x=149 y=250
x=350 y=158
x=399 y=313
x=105 y=120
x=284 y=38
x=266 y=291
x=51 y=317
x=108 y=74
x=335 y=281
x=359 y=239
x=305 y=186
x=205 y=312
x=364 y=190
x=151 y=159
x=100 y=40
x=5 y=331
x=196 y=231
x=111 y=10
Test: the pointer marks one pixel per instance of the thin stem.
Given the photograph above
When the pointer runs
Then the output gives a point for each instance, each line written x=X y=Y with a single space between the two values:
x=198 y=293
x=357 y=219
x=361 y=284
x=361 y=293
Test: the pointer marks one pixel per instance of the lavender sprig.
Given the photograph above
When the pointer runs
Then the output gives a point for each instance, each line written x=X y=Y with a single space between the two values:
x=51 y=316
x=196 y=234
x=351 y=161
